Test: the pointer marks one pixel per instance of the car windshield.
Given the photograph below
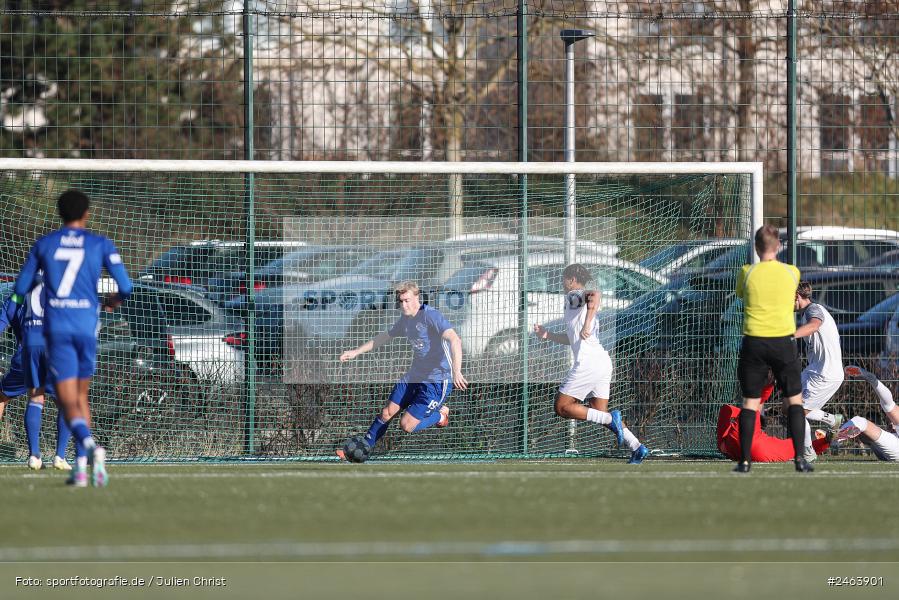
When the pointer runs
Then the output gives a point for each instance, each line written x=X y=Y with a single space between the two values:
x=314 y=266
x=381 y=265
x=233 y=259
x=666 y=255
x=181 y=258
x=881 y=311
x=653 y=300
x=732 y=259
x=290 y=260
x=464 y=278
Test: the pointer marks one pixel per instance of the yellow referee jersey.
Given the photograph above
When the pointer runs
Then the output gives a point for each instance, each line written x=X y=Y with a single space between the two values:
x=768 y=290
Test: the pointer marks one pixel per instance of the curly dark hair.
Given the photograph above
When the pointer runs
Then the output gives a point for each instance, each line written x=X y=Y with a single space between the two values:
x=578 y=272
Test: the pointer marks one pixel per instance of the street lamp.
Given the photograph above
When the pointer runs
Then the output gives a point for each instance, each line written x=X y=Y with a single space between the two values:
x=570 y=37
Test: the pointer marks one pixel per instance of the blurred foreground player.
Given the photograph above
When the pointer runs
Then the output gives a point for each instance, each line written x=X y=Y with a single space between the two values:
x=27 y=374
x=72 y=259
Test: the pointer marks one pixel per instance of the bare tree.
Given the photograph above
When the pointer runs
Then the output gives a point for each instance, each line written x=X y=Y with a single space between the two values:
x=853 y=55
x=431 y=52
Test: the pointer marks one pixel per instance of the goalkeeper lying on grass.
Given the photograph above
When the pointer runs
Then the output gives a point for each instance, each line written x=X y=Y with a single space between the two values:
x=765 y=448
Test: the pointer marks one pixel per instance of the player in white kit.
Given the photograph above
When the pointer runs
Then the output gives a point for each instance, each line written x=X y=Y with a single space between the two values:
x=590 y=377
x=884 y=444
x=824 y=374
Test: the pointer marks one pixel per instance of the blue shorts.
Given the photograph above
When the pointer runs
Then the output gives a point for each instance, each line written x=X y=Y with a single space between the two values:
x=71 y=356
x=34 y=359
x=13 y=383
x=421 y=399
x=27 y=369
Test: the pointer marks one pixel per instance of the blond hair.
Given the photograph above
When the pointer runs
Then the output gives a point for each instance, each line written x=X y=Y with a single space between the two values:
x=406 y=286
x=766 y=239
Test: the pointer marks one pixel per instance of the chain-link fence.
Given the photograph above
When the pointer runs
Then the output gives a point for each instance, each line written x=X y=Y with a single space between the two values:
x=482 y=80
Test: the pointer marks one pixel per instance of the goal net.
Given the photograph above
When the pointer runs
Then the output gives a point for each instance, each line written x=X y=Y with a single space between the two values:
x=251 y=278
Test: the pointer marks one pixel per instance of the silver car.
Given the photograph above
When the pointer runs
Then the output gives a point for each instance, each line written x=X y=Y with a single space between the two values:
x=481 y=299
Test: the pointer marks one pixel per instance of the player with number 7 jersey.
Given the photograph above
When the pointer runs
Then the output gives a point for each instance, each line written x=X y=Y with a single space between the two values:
x=72 y=259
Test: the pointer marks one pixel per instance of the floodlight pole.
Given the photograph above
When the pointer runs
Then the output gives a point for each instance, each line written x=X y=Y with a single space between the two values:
x=570 y=37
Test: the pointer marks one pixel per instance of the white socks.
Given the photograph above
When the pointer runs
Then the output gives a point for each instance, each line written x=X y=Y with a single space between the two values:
x=885 y=397
x=819 y=415
x=598 y=416
x=631 y=440
x=604 y=418
x=860 y=422
x=808 y=432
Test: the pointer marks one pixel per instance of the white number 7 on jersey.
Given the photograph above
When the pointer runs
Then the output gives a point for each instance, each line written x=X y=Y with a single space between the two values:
x=73 y=257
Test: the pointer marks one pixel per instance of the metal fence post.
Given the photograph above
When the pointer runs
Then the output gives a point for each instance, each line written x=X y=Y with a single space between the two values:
x=249 y=208
x=522 y=31
x=791 y=128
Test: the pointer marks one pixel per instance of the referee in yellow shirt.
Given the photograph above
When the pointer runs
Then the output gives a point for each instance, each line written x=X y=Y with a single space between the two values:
x=768 y=290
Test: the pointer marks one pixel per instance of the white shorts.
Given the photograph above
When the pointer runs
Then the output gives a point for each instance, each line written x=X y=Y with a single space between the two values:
x=591 y=379
x=886 y=447
x=817 y=390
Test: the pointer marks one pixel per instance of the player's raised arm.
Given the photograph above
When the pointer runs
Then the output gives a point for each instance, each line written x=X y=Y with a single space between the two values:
x=112 y=261
x=545 y=334
x=813 y=325
x=455 y=342
x=814 y=314
x=372 y=344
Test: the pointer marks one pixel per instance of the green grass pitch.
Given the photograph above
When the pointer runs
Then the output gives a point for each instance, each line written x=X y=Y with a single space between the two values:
x=663 y=527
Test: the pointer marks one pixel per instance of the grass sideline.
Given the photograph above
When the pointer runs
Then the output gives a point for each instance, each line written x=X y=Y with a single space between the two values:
x=462 y=517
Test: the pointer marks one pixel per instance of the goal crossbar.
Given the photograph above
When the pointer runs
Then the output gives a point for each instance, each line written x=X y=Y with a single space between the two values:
x=404 y=167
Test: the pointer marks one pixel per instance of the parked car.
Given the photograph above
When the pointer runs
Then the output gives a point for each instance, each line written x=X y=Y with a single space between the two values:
x=866 y=335
x=689 y=255
x=179 y=326
x=356 y=304
x=858 y=300
x=821 y=247
x=544 y=242
x=481 y=299
x=888 y=363
x=197 y=262
x=887 y=260
x=165 y=342
x=310 y=264
x=847 y=294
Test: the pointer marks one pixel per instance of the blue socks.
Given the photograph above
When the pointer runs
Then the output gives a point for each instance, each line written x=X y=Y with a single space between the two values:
x=33 y=413
x=376 y=431
x=83 y=440
x=63 y=434
x=428 y=421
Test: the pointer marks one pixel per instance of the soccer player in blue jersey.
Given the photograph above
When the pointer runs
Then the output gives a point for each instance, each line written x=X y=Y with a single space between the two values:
x=435 y=370
x=27 y=374
x=72 y=259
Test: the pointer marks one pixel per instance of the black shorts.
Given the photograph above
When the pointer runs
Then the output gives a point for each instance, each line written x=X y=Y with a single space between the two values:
x=758 y=354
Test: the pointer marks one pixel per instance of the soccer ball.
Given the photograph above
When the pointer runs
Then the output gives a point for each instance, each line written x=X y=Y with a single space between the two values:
x=356 y=449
